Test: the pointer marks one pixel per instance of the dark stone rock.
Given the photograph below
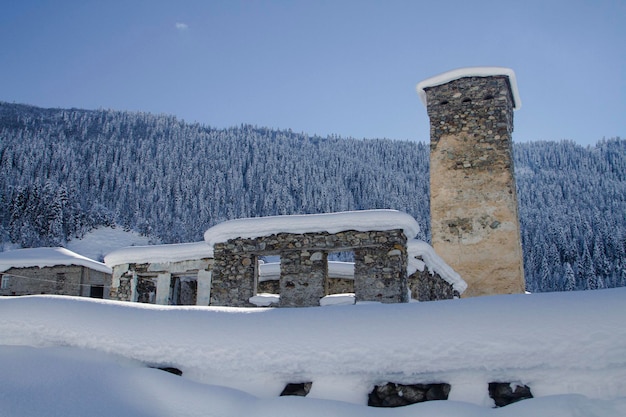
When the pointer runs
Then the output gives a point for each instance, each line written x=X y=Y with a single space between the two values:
x=413 y=394
x=503 y=394
x=397 y=395
x=298 y=389
x=438 y=392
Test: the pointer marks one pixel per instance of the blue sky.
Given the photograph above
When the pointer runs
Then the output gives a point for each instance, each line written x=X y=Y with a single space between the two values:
x=345 y=67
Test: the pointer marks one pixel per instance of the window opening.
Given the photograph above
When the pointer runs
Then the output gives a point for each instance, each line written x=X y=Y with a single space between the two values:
x=183 y=290
x=340 y=273
x=268 y=275
x=146 y=290
x=96 y=291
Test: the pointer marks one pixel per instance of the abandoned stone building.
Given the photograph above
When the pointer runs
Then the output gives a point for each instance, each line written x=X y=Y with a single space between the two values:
x=473 y=201
x=178 y=274
x=52 y=271
x=228 y=269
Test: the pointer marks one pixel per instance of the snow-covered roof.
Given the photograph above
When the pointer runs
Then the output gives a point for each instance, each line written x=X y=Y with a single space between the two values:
x=159 y=253
x=362 y=221
x=434 y=263
x=46 y=257
x=455 y=74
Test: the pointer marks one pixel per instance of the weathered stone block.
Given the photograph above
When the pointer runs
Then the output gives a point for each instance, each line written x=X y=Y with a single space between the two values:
x=505 y=393
x=397 y=395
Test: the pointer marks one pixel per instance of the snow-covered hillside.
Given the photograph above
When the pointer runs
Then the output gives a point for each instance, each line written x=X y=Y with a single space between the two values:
x=174 y=180
x=102 y=240
x=75 y=357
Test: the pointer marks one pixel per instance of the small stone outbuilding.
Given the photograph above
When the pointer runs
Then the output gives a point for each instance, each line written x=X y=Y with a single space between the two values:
x=52 y=271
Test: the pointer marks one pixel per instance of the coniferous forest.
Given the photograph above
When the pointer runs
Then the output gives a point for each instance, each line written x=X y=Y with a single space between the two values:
x=64 y=172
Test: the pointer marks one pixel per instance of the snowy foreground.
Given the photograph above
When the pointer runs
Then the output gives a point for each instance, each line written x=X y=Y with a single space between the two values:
x=81 y=357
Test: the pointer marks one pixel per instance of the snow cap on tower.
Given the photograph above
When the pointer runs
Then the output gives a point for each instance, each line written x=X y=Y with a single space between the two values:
x=455 y=74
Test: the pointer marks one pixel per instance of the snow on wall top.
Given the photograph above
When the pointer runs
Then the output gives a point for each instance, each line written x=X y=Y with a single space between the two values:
x=159 y=253
x=434 y=263
x=455 y=74
x=46 y=257
x=362 y=221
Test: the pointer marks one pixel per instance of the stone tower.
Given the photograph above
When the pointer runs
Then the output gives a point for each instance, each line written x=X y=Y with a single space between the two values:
x=473 y=201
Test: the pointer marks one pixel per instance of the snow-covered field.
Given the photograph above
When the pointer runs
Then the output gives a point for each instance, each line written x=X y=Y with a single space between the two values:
x=77 y=357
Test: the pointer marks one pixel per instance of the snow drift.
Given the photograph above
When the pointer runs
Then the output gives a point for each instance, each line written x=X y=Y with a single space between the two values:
x=557 y=343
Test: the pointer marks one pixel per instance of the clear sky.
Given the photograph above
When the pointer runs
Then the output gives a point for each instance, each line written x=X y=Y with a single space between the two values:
x=345 y=67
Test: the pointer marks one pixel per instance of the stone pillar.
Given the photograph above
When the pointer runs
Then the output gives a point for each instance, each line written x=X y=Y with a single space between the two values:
x=303 y=277
x=115 y=281
x=132 y=286
x=233 y=279
x=203 y=297
x=163 y=285
x=473 y=201
x=123 y=292
x=380 y=274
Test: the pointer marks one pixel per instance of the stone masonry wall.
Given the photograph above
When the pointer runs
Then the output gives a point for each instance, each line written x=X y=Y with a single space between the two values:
x=380 y=266
x=382 y=274
x=425 y=286
x=474 y=217
x=303 y=278
x=58 y=280
x=234 y=277
x=121 y=289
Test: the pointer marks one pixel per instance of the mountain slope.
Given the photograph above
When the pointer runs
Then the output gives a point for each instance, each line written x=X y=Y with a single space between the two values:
x=63 y=172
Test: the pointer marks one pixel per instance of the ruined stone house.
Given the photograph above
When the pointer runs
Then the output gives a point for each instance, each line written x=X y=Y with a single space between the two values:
x=52 y=271
x=178 y=274
x=227 y=269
